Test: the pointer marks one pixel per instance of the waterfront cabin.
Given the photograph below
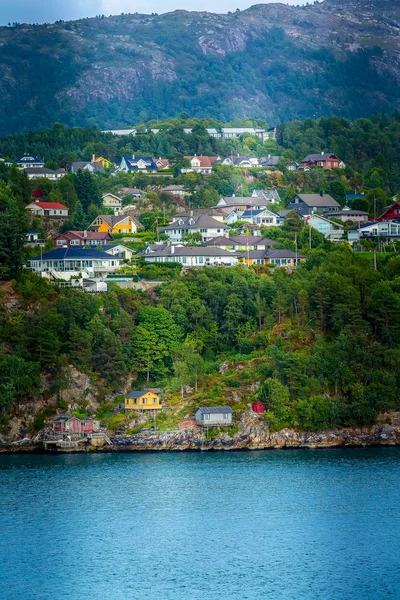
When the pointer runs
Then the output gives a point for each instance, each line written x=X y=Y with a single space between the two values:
x=75 y=425
x=142 y=400
x=214 y=416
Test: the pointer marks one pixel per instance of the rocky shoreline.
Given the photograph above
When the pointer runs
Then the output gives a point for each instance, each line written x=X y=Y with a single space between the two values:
x=252 y=435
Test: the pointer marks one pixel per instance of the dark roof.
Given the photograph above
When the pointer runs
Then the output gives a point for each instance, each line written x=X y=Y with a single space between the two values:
x=29 y=159
x=132 y=163
x=41 y=170
x=214 y=410
x=71 y=254
x=221 y=240
x=190 y=251
x=137 y=393
x=318 y=157
x=195 y=222
x=269 y=161
x=339 y=213
x=82 y=164
x=316 y=200
x=254 y=213
x=283 y=254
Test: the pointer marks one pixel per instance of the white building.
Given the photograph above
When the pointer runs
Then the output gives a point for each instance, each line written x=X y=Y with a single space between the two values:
x=192 y=256
x=263 y=217
x=113 y=202
x=330 y=230
x=207 y=226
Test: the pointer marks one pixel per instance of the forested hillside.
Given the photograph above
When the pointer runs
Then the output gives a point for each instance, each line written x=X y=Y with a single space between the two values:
x=320 y=347
x=273 y=61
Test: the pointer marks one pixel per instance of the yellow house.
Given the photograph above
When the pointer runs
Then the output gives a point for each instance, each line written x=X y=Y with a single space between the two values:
x=115 y=224
x=142 y=400
x=280 y=258
x=106 y=164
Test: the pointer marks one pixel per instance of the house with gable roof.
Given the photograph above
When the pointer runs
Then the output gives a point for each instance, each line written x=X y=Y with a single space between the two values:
x=141 y=164
x=307 y=204
x=28 y=160
x=51 y=210
x=330 y=230
x=207 y=226
x=116 y=224
x=326 y=160
x=113 y=202
x=200 y=164
x=262 y=217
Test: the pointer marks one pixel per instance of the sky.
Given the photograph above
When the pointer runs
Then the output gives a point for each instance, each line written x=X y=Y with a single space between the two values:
x=40 y=11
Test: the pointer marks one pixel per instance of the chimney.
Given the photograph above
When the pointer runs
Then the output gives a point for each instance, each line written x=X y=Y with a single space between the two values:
x=269 y=156
x=191 y=213
x=321 y=193
x=93 y=158
x=133 y=156
x=238 y=155
x=85 y=234
x=172 y=249
x=322 y=153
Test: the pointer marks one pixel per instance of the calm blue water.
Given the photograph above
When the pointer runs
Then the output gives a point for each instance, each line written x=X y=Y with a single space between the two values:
x=287 y=525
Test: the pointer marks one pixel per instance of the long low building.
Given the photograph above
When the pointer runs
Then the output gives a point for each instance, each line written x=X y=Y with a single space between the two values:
x=193 y=256
x=279 y=258
x=67 y=263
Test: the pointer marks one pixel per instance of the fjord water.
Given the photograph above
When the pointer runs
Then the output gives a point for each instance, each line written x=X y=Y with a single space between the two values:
x=245 y=525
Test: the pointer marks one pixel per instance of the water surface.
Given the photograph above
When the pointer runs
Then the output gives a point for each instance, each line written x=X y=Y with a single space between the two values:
x=287 y=525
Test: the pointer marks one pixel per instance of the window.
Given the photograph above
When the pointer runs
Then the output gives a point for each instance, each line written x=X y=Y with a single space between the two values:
x=206 y=417
x=225 y=415
x=184 y=259
x=61 y=242
x=144 y=401
x=155 y=400
x=201 y=259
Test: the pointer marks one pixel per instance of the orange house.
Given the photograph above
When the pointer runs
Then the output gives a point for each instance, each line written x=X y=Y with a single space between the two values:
x=115 y=224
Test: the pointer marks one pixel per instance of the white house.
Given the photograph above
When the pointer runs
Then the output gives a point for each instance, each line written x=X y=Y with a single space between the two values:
x=388 y=230
x=119 y=250
x=207 y=226
x=192 y=256
x=43 y=173
x=244 y=162
x=52 y=210
x=200 y=164
x=142 y=164
x=77 y=263
x=113 y=202
x=330 y=230
x=265 y=217
x=28 y=160
x=32 y=237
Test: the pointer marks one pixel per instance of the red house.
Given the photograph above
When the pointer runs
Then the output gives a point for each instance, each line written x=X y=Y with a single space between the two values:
x=258 y=407
x=393 y=212
x=70 y=239
x=75 y=425
x=326 y=160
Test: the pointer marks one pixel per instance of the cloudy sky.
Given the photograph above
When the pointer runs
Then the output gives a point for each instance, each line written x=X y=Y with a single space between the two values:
x=39 y=11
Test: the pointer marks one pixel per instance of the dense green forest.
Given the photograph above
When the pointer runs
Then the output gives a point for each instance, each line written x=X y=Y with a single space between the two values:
x=323 y=343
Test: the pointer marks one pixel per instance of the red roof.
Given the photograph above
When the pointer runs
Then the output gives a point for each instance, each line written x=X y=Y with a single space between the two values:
x=90 y=235
x=46 y=205
x=205 y=161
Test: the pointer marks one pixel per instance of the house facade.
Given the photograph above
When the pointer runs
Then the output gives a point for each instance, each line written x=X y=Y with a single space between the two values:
x=392 y=212
x=388 y=230
x=326 y=160
x=193 y=256
x=200 y=164
x=264 y=217
x=72 y=239
x=28 y=160
x=33 y=238
x=330 y=230
x=113 y=202
x=80 y=263
x=43 y=173
x=214 y=416
x=142 y=164
x=208 y=227
x=119 y=250
x=115 y=224
x=75 y=425
x=349 y=214
x=86 y=165
x=142 y=400
x=307 y=204
x=51 y=210
x=280 y=258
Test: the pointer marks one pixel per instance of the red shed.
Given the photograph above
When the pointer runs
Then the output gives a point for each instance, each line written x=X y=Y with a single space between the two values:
x=258 y=407
x=75 y=425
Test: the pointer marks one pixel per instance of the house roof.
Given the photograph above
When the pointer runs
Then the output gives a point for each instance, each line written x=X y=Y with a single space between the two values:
x=113 y=220
x=173 y=188
x=317 y=200
x=347 y=213
x=221 y=240
x=191 y=251
x=283 y=254
x=84 y=163
x=89 y=235
x=137 y=393
x=240 y=201
x=255 y=212
x=132 y=162
x=41 y=171
x=214 y=410
x=206 y=162
x=319 y=157
x=29 y=159
x=195 y=222
x=269 y=195
x=71 y=254
x=47 y=205
x=246 y=239
x=269 y=161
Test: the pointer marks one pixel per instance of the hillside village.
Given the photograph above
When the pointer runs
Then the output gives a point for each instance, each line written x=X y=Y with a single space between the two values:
x=142 y=222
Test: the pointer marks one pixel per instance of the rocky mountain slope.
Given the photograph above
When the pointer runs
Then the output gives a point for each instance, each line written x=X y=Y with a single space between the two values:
x=273 y=61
